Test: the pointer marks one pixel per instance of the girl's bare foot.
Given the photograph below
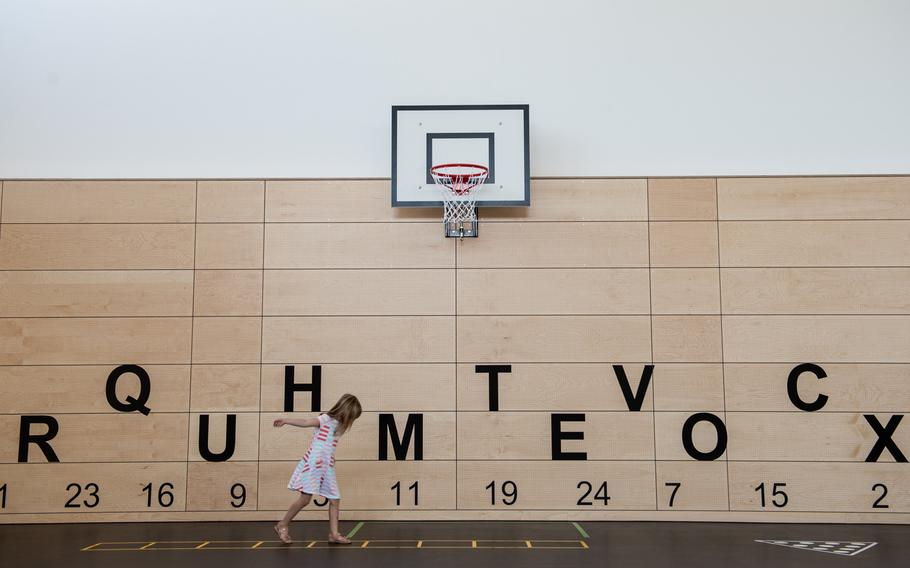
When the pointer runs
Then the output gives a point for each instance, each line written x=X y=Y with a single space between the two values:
x=337 y=538
x=283 y=534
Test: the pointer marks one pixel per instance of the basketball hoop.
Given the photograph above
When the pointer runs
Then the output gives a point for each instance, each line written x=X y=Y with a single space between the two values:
x=458 y=184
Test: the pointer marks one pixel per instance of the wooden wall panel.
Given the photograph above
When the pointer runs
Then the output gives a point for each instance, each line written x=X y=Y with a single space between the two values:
x=65 y=389
x=290 y=442
x=557 y=245
x=553 y=291
x=368 y=485
x=99 y=201
x=555 y=386
x=88 y=438
x=359 y=292
x=549 y=485
x=823 y=437
x=839 y=339
x=816 y=290
x=230 y=201
x=815 y=243
x=849 y=387
x=607 y=435
x=579 y=200
x=814 y=198
x=379 y=387
x=658 y=319
x=588 y=339
x=337 y=201
x=356 y=245
x=71 y=341
x=92 y=247
x=48 y=488
x=383 y=339
x=58 y=293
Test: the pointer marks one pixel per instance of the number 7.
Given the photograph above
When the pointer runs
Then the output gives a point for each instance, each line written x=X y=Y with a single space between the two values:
x=675 y=485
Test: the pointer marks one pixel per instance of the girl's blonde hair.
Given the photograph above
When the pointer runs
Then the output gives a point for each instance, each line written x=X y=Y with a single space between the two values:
x=345 y=411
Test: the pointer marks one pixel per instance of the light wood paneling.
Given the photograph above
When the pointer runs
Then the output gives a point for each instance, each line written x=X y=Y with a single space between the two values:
x=554 y=386
x=849 y=388
x=122 y=437
x=816 y=290
x=367 y=485
x=227 y=340
x=43 y=488
x=689 y=386
x=228 y=245
x=815 y=243
x=806 y=436
x=521 y=339
x=361 y=442
x=557 y=245
x=838 y=339
x=72 y=341
x=526 y=435
x=230 y=201
x=359 y=292
x=553 y=291
x=820 y=487
x=682 y=199
x=37 y=247
x=96 y=293
x=702 y=486
x=358 y=245
x=814 y=198
x=668 y=435
x=222 y=388
x=686 y=339
x=99 y=201
x=228 y=293
x=683 y=243
x=210 y=486
x=578 y=200
x=685 y=291
x=359 y=339
x=80 y=389
x=246 y=435
x=332 y=201
x=384 y=387
x=555 y=485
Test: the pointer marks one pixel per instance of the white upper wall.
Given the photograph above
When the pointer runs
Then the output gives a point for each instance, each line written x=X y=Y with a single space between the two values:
x=268 y=88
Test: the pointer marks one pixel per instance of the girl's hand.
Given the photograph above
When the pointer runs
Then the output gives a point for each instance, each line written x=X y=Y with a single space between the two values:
x=278 y=423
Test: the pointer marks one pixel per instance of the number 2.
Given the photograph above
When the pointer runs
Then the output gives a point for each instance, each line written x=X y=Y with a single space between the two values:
x=877 y=504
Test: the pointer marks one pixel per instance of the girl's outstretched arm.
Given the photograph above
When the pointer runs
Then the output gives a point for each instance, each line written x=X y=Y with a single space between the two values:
x=302 y=423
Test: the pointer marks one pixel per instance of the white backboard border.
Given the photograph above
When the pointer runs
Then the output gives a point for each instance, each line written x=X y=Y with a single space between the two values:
x=525 y=199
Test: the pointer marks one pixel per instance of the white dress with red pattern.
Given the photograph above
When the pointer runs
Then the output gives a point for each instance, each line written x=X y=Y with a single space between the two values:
x=315 y=473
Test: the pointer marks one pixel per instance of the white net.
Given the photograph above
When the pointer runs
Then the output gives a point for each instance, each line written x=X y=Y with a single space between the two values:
x=458 y=184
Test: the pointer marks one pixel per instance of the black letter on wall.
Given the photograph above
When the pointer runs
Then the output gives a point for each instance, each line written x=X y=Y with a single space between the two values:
x=388 y=429
x=557 y=436
x=229 y=442
x=314 y=387
x=132 y=404
x=799 y=403
x=635 y=401
x=493 y=372
x=689 y=426
x=884 y=438
x=41 y=440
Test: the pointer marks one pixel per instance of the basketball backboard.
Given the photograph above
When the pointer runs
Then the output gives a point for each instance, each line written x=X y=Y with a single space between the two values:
x=493 y=136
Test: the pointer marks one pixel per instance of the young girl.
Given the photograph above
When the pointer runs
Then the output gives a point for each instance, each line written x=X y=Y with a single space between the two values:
x=315 y=473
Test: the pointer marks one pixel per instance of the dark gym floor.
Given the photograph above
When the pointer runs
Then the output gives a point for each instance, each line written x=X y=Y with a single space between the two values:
x=442 y=544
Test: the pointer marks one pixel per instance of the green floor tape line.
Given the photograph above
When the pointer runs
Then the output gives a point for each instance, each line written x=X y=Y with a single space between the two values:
x=580 y=530
x=355 y=529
